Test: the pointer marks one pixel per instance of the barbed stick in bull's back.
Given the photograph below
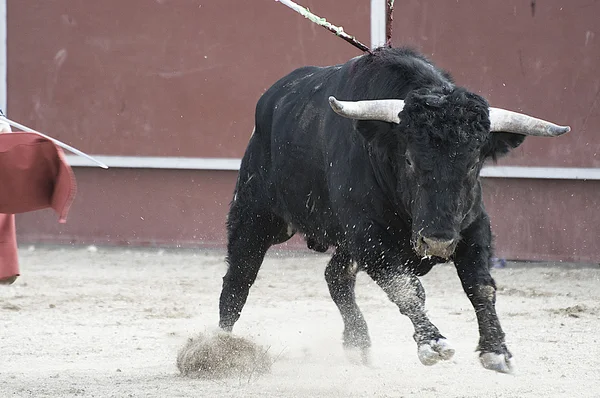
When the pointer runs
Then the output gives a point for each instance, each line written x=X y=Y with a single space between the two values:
x=389 y=18
x=338 y=30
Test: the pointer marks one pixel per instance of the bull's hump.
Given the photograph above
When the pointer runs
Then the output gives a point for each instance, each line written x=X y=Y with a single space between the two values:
x=297 y=80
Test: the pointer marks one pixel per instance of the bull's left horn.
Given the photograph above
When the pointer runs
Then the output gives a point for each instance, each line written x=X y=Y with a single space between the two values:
x=385 y=110
x=519 y=123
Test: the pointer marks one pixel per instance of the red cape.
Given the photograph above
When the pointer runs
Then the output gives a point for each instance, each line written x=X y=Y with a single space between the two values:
x=34 y=175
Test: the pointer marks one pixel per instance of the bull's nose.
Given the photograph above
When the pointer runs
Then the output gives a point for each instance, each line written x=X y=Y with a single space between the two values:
x=436 y=247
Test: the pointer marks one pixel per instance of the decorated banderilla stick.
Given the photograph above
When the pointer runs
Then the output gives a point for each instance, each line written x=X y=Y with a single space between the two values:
x=54 y=140
x=389 y=18
x=338 y=30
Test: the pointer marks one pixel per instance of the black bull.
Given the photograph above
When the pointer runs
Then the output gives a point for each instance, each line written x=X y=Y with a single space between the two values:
x=392 y=186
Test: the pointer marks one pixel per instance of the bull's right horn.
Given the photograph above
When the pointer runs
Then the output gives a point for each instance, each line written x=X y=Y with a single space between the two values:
x=385 y=110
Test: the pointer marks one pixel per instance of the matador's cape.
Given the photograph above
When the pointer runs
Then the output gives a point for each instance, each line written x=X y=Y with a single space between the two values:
x=34 y=175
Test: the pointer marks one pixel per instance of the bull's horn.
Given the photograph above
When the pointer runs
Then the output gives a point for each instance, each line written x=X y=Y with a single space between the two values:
x=518 y=123
x=385 y=110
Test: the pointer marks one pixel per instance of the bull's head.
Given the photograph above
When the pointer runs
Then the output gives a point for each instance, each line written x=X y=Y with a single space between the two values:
x=438 y=140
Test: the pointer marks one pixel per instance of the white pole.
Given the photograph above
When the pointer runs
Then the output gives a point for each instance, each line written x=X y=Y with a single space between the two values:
x=377 y=23
x=3 y=56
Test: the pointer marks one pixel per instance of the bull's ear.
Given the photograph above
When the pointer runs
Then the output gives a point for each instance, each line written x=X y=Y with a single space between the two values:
x=502 y=143
x=375 y=131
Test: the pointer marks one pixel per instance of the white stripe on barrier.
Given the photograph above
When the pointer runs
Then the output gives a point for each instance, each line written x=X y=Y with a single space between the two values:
x=233 y=164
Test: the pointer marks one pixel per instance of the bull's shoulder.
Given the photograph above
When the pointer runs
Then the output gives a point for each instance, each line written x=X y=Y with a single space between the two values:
x=296 y=91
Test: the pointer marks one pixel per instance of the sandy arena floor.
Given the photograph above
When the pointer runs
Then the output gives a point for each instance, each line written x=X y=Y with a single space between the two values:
x=109 y=323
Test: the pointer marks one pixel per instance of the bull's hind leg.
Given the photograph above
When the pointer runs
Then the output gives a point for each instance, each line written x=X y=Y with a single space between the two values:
x=405 y=290
x=251 y=233
x=340 y=275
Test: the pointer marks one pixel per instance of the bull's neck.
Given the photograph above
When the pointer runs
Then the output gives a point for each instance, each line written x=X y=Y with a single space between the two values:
x=385 y=177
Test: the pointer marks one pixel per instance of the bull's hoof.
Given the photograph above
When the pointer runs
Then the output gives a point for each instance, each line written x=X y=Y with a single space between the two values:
x=357 y=346
x=502 y=363
x=358 y=356
x=313 y=244
x=226 y=326
x=435 y=351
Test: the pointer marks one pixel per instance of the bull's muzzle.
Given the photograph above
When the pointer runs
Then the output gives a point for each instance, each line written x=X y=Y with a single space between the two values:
x=435 y=247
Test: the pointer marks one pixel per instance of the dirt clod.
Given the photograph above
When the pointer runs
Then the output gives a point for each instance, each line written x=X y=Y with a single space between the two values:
x=221 y=355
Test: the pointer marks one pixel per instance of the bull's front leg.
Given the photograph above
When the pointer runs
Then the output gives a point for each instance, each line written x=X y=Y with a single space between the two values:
x=385 y=264
x=472 y=261
x=405 y=290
